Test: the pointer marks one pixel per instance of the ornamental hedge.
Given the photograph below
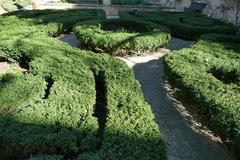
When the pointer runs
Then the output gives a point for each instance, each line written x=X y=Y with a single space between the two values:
x=209 y=72
x=121 y=36
x=71 y=104
x=185 y=25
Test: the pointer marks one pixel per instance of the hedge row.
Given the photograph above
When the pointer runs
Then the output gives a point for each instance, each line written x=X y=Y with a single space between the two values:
x=72 y=103
x=209 y=72
x=60 y=120
x=184 y=25
x=130 y=120
x=121 y=36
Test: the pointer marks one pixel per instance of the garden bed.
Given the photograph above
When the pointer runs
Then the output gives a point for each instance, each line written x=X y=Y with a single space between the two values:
x=122 y=37
x=72 y=104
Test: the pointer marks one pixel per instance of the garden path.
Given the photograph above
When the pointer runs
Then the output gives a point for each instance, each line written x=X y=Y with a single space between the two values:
x=69 y=39
x=2 y=11
x=111 y=11
x=185 y=138
x=5 y=67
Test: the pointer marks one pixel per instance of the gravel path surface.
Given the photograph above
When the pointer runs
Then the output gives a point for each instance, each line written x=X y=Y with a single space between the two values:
x=184 y=140
x=2 y=11
x=176 y=44
x=71 y=39
x=5 y=67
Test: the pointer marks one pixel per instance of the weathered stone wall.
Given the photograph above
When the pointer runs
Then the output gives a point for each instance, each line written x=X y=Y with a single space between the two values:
x=222 y=9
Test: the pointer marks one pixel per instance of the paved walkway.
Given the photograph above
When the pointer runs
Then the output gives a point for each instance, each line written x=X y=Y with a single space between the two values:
x=5 y=67
x=185 y=138
x=2 y=11
x=176 y=44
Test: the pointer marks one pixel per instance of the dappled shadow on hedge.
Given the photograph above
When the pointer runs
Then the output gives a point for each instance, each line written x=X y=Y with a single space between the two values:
x=128 y=41
x=135 y=38
x=30 y=139
x=33 y=133
x=185 y=25
x=122 y=37
x=226 y=77
x=227 y=42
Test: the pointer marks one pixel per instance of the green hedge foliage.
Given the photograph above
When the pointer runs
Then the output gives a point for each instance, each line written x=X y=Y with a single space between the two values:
x=71 y=103
x=209 y=72
x=184 y=25
x=121 y=36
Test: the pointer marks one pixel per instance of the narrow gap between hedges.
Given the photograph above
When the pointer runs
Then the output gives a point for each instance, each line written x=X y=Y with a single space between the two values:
x=225 y=77
x=24 y=62
x=100 y=108
x=3 y=59
x=100 y=112
x=49 y=80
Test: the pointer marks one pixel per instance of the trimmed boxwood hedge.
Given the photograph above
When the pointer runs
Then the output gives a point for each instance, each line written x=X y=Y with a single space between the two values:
x=185 y=25
x=71 y=104
x=121 y=36
x=209 y=72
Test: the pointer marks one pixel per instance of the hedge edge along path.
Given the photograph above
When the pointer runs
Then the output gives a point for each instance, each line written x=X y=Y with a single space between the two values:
x=209 y=72
x=121 y=36
x=71 y=104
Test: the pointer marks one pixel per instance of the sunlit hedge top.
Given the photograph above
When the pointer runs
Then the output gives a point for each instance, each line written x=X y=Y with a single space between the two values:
x=121 y=36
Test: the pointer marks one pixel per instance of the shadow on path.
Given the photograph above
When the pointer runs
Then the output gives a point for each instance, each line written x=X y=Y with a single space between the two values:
x=177 y=44
x=183 y=142
x=70 y=39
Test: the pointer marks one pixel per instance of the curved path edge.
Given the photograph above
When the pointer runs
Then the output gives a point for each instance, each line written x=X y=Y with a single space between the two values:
x=184 y=140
